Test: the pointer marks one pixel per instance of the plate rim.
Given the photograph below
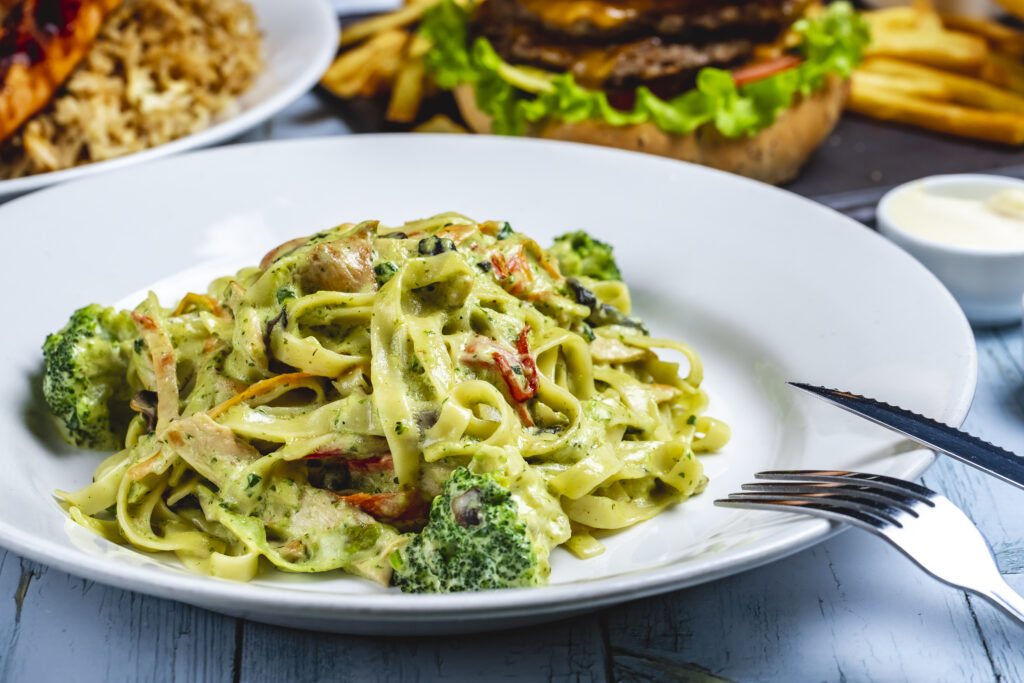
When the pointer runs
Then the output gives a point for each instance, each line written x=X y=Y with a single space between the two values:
x=320 y=12
x=225 y=595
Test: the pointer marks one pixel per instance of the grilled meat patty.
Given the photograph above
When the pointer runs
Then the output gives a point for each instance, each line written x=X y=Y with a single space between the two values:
x=684 y=20
x=619 y=66
x=620 y=44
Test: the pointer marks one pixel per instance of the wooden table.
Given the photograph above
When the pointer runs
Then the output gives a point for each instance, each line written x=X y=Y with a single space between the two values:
x=851 y=608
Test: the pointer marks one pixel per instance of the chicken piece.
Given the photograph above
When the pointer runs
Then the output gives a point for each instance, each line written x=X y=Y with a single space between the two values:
x=41 y=42
x=211 y=449
x=281 y=250
x=605 y=350
x=342 y=265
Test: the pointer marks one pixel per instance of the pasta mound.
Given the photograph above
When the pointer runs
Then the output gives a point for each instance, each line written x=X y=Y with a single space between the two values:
x=159 y=70
x=309 y=412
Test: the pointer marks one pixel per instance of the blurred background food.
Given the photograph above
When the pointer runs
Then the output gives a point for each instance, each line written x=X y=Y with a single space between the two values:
x=971 y=7
x=954 y=67
x=952 y=73
x=148 y=72
x=749 y=86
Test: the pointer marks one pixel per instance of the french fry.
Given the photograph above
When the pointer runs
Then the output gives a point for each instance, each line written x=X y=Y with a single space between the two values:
x=365 y=70
x=1004 y=71
x=903 y=19
x=964 y=90
x=418 y=47
x=880 y=103
x=407 y=92
x=927 y=88
x=944 y=49
x=439 y=123
x=411 y=11
x=367 y=28
x=999 y=36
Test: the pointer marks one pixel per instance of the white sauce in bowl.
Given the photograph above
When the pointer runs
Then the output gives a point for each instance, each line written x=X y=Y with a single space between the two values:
x=967 y=214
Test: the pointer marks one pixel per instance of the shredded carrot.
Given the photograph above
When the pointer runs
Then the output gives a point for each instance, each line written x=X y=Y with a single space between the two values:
x=543 y=260
x=518 y=262
x=192 y=300
x=457 y=233
x=165 y=375
x=258 y=389
x=140 y=470
x=144 y=320
x=490 y=228
x=524 y=415
x=498 y=263
x=506 y=265
x=398 y=505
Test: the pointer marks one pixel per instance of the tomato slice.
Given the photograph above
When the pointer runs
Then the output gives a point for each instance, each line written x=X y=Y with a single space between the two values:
x=756 y=72
x=526 y=365
x=402 y=505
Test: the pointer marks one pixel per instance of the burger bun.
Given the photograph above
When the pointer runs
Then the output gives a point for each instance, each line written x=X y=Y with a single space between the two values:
x=773 y=155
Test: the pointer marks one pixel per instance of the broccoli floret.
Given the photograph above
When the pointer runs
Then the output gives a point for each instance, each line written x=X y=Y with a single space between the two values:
x=474 y=540
x=579 y=254
x=84 y=378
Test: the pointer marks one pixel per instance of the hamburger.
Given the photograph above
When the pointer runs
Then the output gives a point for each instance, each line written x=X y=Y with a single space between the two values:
x=747 y=86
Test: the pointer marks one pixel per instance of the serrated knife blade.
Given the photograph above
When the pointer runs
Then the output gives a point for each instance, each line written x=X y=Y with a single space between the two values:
x=953 y=442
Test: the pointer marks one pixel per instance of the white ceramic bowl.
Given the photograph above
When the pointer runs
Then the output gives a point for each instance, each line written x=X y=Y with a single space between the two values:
x=986 y=282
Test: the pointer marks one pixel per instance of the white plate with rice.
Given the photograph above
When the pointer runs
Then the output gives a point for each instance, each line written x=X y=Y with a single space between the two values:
x=299 y=38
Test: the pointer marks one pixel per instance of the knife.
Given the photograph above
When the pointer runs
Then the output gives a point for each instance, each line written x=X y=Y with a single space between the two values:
x=927 y=432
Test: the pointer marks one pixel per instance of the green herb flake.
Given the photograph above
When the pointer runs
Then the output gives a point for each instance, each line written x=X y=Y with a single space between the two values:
x=384 y=271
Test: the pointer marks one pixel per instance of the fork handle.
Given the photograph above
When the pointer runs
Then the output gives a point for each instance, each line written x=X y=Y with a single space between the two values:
x=1006 y=599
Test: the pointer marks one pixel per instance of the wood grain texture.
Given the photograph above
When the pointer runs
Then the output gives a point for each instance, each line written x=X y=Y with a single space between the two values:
x=995 y=507
x=563 y=651
x=850 y=609
x=59 y=627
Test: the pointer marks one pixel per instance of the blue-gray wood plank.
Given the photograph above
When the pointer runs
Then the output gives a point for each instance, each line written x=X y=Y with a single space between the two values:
x=851 y=608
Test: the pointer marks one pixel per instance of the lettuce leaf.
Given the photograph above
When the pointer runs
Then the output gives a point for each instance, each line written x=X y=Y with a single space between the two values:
x=832 y=42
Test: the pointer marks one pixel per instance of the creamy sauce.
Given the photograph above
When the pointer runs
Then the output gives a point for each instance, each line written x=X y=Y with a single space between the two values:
x=965 y=215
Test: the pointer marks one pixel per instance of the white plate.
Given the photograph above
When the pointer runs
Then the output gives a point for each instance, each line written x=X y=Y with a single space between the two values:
x=299 y=41
x=767 y=286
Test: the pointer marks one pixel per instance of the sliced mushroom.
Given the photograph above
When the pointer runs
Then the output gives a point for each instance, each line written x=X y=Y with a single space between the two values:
x=342 y=265
x=466 y=508
x=664 y=392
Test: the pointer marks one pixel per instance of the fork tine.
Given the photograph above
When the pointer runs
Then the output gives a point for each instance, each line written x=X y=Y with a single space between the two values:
x=844 y=477
x=816 y=507
x=883 y=511
x=884 y=497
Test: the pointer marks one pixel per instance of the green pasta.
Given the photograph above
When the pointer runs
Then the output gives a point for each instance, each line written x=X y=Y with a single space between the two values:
x=306 y=412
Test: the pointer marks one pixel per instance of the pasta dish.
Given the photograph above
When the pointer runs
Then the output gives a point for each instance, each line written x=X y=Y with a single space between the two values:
x=435 y=406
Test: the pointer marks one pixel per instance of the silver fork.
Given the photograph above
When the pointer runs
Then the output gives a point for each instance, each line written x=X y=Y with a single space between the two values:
x=923 y=524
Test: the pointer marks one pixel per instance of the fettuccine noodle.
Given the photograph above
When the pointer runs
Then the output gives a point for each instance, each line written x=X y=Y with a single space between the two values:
x=308 y=410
